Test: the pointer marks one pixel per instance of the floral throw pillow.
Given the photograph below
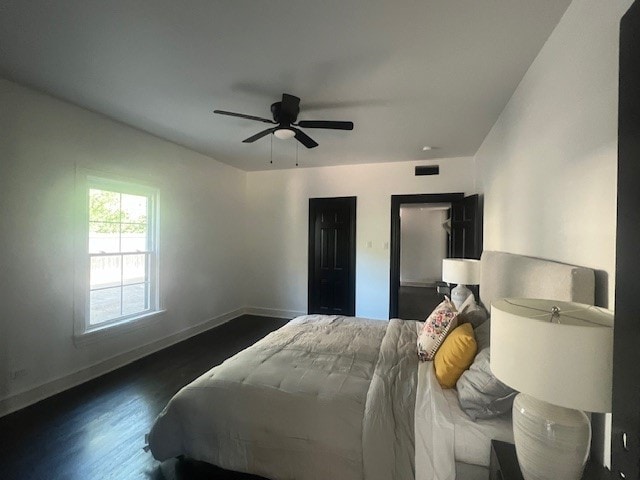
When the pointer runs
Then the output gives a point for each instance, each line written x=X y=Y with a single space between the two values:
x=441 y=321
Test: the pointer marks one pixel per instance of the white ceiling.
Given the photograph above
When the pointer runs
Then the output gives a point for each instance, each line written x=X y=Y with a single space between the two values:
x=407 y=73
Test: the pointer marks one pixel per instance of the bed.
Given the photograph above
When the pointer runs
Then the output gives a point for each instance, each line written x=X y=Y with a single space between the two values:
x=343 y=397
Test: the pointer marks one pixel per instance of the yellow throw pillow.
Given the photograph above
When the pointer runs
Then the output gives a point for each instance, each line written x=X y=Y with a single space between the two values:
x=455 y=355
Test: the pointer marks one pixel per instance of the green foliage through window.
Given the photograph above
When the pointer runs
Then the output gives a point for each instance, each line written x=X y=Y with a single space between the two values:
x=113 y=212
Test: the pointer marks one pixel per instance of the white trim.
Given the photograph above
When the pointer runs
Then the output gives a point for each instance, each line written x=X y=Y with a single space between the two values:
x=33 y=395
x=271 y=312
x=86 y=178
x=111 y=329
x=28 y=397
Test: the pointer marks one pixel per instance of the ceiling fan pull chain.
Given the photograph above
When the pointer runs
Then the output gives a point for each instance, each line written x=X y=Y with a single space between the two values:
x=271 y=149
x=296 y=154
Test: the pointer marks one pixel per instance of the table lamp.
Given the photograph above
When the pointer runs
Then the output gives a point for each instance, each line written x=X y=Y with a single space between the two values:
x=463 y=272
x=559 y=356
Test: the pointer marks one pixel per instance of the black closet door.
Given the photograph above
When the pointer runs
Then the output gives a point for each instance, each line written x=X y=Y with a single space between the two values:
x=465 y=240
x=332 y=256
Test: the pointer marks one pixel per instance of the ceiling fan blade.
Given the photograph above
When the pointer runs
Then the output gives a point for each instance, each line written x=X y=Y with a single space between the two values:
x=242 y=115
x=304 y=139
x=326 y=124
x=289 y=108
x=259 y=135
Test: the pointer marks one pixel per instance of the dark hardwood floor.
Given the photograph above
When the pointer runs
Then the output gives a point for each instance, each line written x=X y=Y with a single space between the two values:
x=417 y=303
x=96 y=431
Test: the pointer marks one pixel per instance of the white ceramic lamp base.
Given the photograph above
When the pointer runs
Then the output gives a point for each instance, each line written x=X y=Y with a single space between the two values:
x=459 y=294
x=552 y=442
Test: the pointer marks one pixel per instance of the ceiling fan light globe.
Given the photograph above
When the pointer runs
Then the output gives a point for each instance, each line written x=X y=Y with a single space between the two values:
x=284 y=133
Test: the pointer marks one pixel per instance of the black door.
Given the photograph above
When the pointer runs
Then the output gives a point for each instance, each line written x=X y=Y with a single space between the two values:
x=396 y=202
x=332 y=256
x=625 y=437
x=465 y=239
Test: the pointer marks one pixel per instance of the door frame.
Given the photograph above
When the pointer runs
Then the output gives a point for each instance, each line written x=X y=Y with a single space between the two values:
x=626 y=333
x=396 y=202
x=313 y=205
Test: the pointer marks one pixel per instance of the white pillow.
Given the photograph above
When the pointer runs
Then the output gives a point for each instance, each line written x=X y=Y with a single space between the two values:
x=483 y=335
x=471 y=312
x=481 y=395
x=442 y=320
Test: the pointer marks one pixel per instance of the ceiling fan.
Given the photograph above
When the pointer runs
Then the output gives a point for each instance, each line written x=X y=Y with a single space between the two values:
x=285 y=114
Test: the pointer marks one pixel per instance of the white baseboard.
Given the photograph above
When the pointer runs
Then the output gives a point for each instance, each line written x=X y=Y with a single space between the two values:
x=272 y=312
x=53 y=387
x=418 y=284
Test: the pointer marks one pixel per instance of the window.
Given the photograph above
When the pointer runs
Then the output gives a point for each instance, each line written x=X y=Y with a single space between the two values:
x=119 y=262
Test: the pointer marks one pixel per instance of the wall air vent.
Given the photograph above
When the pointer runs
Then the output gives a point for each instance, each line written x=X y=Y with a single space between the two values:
x=427 y=170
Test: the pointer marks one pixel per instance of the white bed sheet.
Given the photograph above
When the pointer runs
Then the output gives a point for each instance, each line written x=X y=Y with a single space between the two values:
x=472 y=440
x=445 y=436
x=433 y=429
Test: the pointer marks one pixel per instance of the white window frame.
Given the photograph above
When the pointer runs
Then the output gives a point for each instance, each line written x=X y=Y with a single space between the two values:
x=84 y=331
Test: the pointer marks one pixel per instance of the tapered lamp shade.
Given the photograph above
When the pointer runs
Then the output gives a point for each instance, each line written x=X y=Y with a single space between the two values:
x=559 y=356
x=566 y=362
x=463 y=272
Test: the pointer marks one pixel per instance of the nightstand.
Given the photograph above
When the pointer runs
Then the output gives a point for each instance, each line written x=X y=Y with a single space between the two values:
x=504 y=464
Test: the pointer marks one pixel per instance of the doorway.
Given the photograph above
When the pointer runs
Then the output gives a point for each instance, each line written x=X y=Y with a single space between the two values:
x=332 y=256
x=424 y=243
x=425 y=229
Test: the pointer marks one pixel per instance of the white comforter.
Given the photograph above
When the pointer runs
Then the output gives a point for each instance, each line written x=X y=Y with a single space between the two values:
x=322 y=397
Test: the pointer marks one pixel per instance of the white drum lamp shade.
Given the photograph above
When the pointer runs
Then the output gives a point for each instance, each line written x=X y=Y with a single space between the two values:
x=559 y=356
x=463 y=272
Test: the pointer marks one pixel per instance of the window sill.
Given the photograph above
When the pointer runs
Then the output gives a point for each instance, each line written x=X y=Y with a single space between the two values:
x=99 y=333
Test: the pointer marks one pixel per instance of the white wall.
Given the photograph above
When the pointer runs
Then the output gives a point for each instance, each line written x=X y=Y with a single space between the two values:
x=548 y=167
x=277 y=226
x=42 y=140
x=423 y=243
